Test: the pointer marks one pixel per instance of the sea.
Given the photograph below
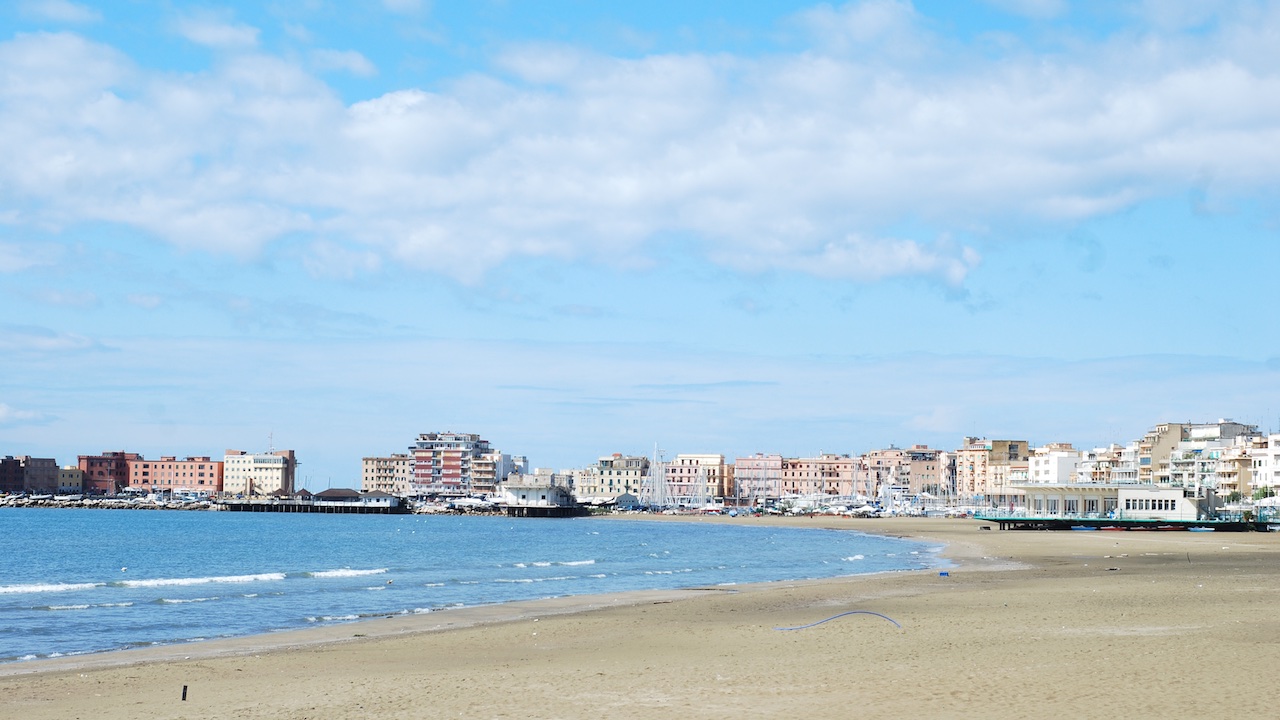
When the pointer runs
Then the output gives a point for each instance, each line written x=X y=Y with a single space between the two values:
x=80 y=581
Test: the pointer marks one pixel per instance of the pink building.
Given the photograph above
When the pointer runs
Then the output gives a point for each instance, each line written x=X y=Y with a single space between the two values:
x=200 y=475
x=827 y=474
x=756 y=479
x=913 y=470
x=108 y=473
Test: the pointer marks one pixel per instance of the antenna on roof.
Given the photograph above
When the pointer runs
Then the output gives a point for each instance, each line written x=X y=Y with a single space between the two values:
x=271 y=442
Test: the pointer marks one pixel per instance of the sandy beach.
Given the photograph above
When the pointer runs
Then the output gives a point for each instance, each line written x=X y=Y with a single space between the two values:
x=1025 y=624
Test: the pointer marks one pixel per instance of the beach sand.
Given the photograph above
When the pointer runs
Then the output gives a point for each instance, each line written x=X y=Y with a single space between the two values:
x=1026 y=624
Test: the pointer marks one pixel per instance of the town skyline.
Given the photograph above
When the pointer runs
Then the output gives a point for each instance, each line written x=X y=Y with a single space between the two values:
x=792 y=227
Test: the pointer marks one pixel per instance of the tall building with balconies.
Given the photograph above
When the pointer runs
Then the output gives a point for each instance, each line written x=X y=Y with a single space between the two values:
x=392 y=475
x=446 y=464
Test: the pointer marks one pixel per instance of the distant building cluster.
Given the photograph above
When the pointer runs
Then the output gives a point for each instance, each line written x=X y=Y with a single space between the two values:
x=118 y=472
x=1223 y=459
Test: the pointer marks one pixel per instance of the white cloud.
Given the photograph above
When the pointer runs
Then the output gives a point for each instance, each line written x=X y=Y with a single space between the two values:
x=26 y=339
x=12 y=416
x=808 y=161
x=214 y=32
x=346 y=60
x=59 y=11
x=15 y=257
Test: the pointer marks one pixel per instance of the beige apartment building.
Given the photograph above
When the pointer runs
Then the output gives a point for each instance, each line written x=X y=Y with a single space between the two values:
x=989 y=471
x=911 y=470
x=613 y=475
x=249 y=475
x=392 y=475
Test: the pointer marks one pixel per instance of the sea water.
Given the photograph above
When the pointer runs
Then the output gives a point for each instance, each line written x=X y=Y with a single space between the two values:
x=76 y=581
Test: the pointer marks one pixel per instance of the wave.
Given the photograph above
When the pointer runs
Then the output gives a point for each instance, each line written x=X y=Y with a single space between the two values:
x=46 y=587
x=344 y=572
x=851 y=558
x=577 y=562
x=68 y=607
x=533 y=580
x=162 y=582
x=184 y=601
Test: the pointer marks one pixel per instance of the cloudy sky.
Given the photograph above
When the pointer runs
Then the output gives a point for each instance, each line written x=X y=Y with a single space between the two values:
x=579 y=228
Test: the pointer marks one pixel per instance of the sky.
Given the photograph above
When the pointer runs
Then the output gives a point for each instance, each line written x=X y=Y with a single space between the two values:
x=578 y=228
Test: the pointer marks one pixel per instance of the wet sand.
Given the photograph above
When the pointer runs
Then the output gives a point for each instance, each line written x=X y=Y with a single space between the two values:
x=1098 y=624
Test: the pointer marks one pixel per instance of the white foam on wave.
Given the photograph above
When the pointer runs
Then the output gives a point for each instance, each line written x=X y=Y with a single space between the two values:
x=162 y=582
x=578 y=562
x=70 y=607
x=184 y=601
x=851 y=558
x=332 y=618
x=345 y=572
x=46 y=587
x=534 y=580
x=542 y=564
x=433 y=585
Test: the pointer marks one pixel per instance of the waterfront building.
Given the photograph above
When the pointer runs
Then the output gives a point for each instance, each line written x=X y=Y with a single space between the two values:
x=10 y=475
x=199 y=475
x=249 y=475
x=985 y=470
x=106 y=474
x=905 y=471
x=1235 y=468
x=1097 y=465
x=70 y=480
x=1055 y=463
x=446 y=463
x=826 y=474
x=24 y=473
x=613 y=475
x=392 y=475
x=695 y=478
x=1264 y=455
x=1154 y=449
x=757 y=479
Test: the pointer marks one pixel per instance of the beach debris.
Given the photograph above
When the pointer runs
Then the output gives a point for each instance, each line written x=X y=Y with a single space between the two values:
x=833 y=617
x=184 y=693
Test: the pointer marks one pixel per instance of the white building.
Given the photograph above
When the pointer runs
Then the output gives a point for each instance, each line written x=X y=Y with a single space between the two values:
x=1265 y=458
x=270 y=473
x=1053 y=464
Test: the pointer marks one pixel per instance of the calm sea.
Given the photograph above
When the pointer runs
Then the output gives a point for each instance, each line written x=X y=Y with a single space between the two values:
x=84 y=581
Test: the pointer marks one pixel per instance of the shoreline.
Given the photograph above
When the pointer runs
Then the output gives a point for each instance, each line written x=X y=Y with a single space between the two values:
x=1143 y=624
x=396 y=624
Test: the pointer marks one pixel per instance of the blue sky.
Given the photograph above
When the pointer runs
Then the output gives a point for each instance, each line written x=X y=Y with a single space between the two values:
x=580 y=228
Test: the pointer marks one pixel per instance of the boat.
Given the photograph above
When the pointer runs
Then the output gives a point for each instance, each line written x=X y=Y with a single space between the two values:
x=1083 y=528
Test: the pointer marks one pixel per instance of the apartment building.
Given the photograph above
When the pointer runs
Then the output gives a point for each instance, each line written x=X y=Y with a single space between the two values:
x=757 y=479
x=392 y=475
x=613 y=475
x=256 y=474
x=1056 y=463
x=695 y=477
x=106 y=474
x=987 y=470
x=448 y=463
x=199 y=475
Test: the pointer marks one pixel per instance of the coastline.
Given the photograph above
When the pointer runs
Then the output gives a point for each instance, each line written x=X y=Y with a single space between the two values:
x=1071 y=620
